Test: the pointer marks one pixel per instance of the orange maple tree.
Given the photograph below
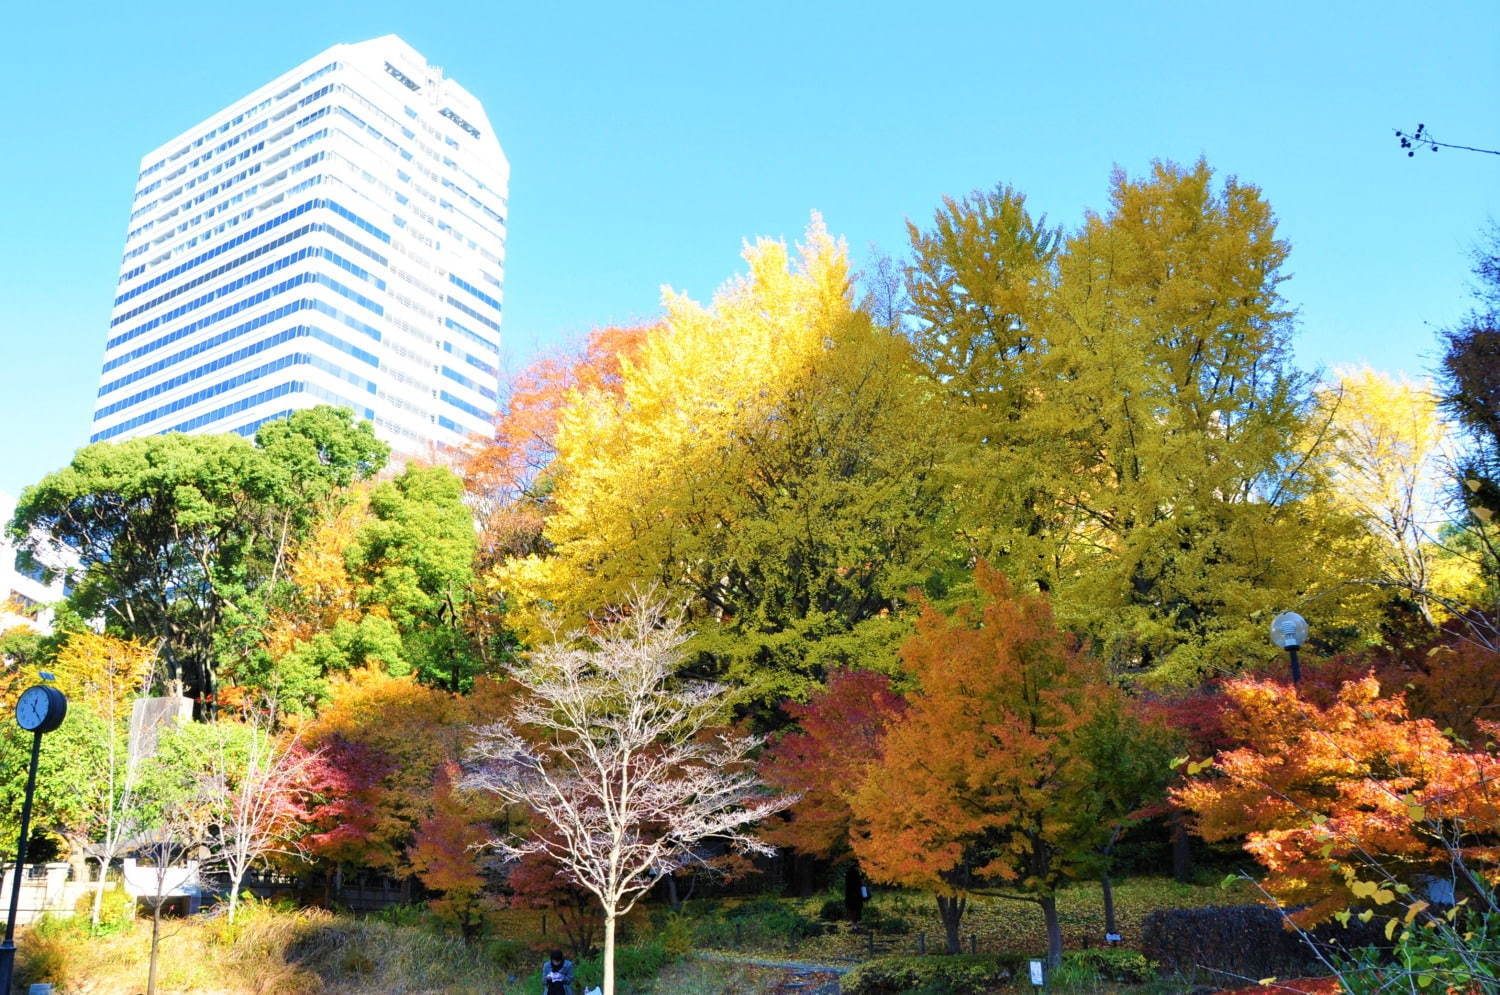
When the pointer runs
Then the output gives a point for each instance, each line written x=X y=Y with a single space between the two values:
x=446 y=854
x=985 y=785
x=1346 y=803
x=384 y=740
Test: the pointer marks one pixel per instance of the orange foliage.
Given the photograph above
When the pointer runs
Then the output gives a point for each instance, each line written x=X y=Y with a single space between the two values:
x=985 y=780
x=446 y=854
x=406 y=732
x=326 y=594
x=1334 y=801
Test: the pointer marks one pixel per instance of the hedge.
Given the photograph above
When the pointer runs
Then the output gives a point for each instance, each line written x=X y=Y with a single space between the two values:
x=959 y=974
x=1245 y=941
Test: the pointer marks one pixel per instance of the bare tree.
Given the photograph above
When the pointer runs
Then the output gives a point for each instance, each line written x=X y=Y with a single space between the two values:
x=618 y=760
x=172 y=838
x=116 y=819
x=254 y=790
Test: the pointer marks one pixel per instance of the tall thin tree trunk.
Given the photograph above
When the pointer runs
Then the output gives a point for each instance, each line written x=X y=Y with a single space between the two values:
x=1054 y=931
x=609 y=953
x=155 y=942
x=98 y=895
x=234 y=892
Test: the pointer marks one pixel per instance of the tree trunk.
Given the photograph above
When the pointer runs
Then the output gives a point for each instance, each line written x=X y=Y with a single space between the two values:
x=1182 y=856
x=1109 y=905
x=673 y=902
x=1054 y=931
x=609 y=953
x=234 y=892
x=98 y=896
x=951 y=911
x=155 y=941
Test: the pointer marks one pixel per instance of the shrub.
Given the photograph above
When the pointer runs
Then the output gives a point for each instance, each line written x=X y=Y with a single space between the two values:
x=1458 y=956
x=116 y=909
x=962 y=974
x=402 y=915
x=1114 y=964
x=760 y=922
x=675 y=933
x=885 y=922
x=832 y=910
x=1247 y=941
x=633 y=964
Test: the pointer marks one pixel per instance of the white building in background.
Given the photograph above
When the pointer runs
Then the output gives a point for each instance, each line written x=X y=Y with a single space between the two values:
x=29 y=589
x=336 y=237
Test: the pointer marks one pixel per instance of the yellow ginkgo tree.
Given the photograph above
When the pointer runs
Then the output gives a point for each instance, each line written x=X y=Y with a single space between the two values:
x=765 y=460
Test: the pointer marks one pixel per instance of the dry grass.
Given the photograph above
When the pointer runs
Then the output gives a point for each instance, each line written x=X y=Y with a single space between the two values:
x=304 y=952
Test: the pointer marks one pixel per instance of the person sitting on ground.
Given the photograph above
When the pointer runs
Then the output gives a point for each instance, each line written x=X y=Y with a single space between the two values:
x=557 y=975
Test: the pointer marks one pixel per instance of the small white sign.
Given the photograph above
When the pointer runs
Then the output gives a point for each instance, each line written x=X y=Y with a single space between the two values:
x=1036 y=973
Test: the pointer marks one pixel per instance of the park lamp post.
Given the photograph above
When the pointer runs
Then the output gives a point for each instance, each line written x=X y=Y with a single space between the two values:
x=1289 y=631
x=39 y=710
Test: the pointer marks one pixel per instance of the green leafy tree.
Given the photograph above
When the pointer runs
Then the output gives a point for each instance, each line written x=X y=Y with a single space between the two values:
x=415 y=557
x=182 y=537
x=1133 y=439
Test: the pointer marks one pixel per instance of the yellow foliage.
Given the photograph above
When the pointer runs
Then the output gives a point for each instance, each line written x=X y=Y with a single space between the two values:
x=1385 y=460
x=105 y=671
x=326 y=594
x=633 y=467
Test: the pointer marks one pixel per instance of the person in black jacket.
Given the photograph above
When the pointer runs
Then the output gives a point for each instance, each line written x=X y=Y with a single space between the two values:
x=856 y=893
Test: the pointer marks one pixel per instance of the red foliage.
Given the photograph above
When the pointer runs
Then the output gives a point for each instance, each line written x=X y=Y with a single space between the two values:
x=536 y=881
x=343 y=803
x=839 y=737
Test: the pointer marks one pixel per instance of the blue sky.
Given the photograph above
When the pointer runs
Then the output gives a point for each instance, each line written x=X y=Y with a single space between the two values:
x=647 y=140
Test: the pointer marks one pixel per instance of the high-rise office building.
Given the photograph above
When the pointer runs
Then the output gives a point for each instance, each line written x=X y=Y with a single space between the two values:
x=336 y=237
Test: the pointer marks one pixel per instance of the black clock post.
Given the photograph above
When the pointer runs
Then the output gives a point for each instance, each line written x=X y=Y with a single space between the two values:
x=39 y=710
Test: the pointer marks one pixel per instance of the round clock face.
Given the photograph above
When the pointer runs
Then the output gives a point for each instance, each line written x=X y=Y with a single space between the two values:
x=40 y=709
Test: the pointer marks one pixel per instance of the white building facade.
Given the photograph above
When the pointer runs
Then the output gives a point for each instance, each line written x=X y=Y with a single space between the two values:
x=336 y=237
x=29 y=587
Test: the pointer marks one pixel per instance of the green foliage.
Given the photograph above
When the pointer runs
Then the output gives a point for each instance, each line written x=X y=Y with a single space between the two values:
x=181 y=537
x=70 y=787
x=762 y=922
x=959 y=974
x=1457 y=955
x=634 y=964
x=417 y=558
x=184 y=755
x=886 y=923
x=676 y=933
x=1086 y=968
x=116 y=911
